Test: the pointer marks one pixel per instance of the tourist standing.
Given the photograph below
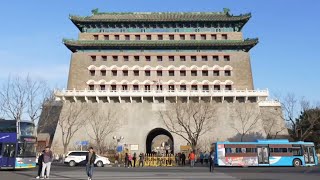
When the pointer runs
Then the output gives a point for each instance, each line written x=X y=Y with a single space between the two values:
x=176 y=158
x=90 y=159
x=46 y=162
x=141 y=160
x=211 y=160
x=183 y=159
x=134 y=159
x=179 y=159
x=201 y=157
x=206 y=157
x=126 y=160
x=130 y=160
x=40 y=160
x=192 y=158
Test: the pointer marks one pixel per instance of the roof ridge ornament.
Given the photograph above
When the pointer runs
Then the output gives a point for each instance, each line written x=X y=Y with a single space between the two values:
x=226 y=11
x=95 y=11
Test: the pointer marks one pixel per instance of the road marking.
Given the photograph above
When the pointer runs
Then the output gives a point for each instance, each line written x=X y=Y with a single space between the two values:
x=153 y=176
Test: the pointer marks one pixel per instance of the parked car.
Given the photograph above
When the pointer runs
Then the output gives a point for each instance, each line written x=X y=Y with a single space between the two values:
x=74 y=158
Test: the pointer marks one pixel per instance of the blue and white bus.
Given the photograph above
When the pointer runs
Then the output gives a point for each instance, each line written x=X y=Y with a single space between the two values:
x=265 y=153
x=17 y=152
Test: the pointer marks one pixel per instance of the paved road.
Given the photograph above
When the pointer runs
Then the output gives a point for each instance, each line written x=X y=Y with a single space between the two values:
x=175 y=173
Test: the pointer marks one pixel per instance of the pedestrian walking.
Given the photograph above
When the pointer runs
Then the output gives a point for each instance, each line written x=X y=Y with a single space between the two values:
x=192 y=158
x=183 y=159
x=40 y=160
x=134 y=159
x=141 y=160
x=211 y=160
x=90 y=159
x=46 y=163
x=206 y=157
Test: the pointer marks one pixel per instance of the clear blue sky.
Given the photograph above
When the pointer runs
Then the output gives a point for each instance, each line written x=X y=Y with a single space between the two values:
x=285 y=60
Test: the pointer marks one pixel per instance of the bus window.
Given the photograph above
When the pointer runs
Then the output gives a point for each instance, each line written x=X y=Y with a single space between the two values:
x=296 y=151
x=228 y=150
x=0 y=149
x=6 y=150
x=26 y=150
x=251 y=150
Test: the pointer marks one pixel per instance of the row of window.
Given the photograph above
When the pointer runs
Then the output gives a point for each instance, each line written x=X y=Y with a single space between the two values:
x=295 y=151
x=240 y=150
x=160 y=58
x=136 y=87
x=161 y=73
x=161 y=37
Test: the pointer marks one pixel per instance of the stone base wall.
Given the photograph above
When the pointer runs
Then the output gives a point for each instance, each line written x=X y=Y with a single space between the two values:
x=138 y=119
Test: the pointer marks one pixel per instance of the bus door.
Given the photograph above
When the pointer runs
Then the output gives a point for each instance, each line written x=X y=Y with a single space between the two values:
x=308 y=154
x=263 y=155
x=8 y=155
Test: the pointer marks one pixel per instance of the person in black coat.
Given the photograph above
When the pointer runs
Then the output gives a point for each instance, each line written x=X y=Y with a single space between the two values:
x=40 y=160
x=183 y=159
x=90 y=159
x=211 y=160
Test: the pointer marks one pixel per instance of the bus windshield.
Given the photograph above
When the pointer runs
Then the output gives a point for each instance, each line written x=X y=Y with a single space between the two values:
x=26 y=150
x=27 y=129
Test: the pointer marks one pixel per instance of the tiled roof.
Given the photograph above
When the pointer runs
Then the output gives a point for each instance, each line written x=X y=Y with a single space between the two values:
x=74 y=45
x=160 y=17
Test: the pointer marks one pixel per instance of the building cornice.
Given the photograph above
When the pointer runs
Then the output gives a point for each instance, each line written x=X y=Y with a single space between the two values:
x=76 y=45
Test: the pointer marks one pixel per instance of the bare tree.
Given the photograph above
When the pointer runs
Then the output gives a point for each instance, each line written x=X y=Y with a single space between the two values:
x=292 y=107
x=103 y=122
x=310 y=117
x=72 y=119
x=205 y=143
x=189 y=120
x=13 y=97
x=37 y=93
x=271 y=124
x=22 y=98
x=248 y=119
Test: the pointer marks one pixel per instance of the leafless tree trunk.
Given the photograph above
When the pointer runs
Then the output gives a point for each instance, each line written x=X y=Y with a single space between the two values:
x=189 y=120
x=72 y=119
x=103 y=122
x=248 y=118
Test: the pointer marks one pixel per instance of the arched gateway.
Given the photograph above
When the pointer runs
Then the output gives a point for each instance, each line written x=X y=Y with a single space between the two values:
x=153 y=134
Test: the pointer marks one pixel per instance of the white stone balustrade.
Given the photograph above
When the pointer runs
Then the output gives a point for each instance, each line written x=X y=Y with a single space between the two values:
x=258 y=95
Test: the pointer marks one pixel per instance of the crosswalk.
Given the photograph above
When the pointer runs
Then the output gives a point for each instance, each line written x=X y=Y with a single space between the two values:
x=100 y=175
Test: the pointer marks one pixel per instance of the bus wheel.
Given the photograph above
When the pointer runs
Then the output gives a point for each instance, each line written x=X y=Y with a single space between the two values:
x=297 y=162
x=72 y=163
